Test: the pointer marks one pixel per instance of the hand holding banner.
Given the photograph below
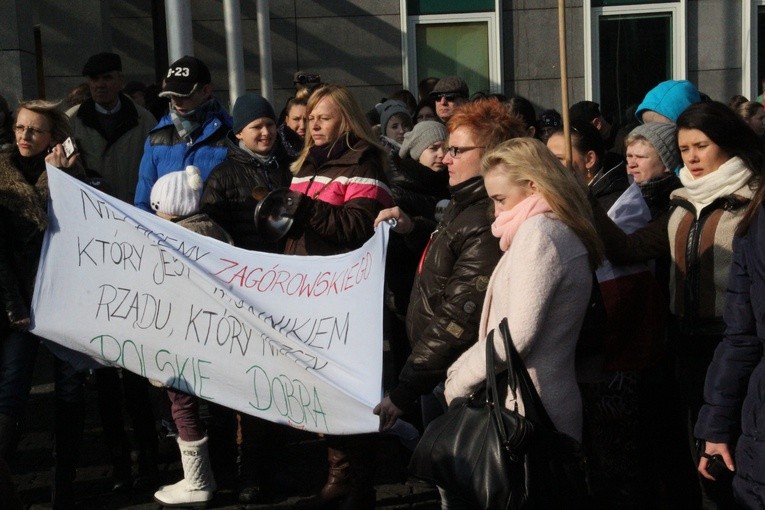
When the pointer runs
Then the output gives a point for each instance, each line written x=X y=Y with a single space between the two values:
x=294 y=340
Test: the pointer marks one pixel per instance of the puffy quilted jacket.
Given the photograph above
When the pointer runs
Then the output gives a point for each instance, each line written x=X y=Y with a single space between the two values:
x=734 y=391
x=228 y=199
x=165 y=151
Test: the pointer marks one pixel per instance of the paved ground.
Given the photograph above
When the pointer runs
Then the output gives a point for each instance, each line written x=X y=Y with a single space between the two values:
x=302 y=469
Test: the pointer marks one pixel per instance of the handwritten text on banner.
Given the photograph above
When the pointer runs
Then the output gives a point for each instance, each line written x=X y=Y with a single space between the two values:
x=294 y=340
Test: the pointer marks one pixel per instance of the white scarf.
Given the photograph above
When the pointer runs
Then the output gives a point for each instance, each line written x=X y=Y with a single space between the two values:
x=726 y=180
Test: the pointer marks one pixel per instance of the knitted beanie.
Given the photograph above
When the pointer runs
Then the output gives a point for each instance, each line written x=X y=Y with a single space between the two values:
x=249 y=107
x=178 y=193
x=422 y=136
x=669 y=98
x=388 y=109
x=662 y=136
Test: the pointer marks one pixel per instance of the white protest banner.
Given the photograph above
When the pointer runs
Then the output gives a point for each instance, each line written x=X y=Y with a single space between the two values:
x=294 y=340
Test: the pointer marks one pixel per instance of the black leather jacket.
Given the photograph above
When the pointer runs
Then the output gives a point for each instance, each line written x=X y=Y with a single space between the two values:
x=449 y=289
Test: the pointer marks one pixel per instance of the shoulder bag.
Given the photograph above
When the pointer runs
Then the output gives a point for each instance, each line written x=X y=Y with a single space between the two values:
x=495 y=457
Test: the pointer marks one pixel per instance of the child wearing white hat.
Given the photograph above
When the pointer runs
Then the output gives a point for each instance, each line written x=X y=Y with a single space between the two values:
x=176 y=197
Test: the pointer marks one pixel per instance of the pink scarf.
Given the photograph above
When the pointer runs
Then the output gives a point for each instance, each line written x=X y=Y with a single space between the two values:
x=508 y=222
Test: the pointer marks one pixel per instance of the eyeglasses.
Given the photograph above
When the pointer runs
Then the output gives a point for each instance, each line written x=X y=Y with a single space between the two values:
x=20 y=130
x=455 y=151
x=449 y=96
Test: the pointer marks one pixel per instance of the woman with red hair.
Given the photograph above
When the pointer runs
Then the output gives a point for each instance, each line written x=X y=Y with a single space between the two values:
x=457 y=256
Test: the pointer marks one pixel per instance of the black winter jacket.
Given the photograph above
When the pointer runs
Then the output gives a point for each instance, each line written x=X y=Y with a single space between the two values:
x=734 y=412
x=416 y=190
x=448 y=292
x=609 y=185
x=227 y=197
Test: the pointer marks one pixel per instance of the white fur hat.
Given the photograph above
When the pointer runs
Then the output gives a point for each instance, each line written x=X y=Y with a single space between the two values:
x=178 y=193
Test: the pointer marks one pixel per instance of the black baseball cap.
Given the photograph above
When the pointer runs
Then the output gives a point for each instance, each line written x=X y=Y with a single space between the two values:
x=183 y=75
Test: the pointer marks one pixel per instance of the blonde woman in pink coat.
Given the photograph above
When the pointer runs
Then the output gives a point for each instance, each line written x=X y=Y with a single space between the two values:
x=542 y=282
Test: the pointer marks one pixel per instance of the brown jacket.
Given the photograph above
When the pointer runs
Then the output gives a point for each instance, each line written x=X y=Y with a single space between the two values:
x=339 y=203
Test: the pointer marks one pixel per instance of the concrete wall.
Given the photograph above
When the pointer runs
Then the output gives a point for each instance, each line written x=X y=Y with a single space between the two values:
x=17 y=52
x=714 y=47
x=356 y=43
x=531 y=53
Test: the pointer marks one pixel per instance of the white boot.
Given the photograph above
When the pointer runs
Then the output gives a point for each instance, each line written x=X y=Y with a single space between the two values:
x=198 y=484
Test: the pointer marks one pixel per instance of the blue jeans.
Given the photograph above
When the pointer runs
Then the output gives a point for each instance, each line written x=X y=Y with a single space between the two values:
x=18 y=352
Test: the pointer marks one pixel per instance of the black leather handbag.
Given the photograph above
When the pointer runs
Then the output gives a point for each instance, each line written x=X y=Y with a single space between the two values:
x=495 y=457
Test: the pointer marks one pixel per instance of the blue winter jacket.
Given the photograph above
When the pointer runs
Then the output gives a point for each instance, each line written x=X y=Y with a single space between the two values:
x=164 y=151
x=734 y=390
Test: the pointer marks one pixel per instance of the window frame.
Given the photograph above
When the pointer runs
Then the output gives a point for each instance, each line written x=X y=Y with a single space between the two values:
x=592 y=32
x=409 y=42
x=749 y=42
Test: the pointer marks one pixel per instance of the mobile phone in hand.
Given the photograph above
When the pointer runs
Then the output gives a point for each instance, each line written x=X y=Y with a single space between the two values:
x=70 y=148
x=717 y=468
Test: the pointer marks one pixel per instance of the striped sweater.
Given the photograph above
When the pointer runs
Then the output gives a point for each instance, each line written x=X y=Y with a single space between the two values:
x=344 y=196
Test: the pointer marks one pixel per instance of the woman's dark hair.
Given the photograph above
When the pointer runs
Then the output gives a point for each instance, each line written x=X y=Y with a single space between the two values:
x=734 y=136
x=725 y=128
x=735 y=101
x=405 y=97
x=524 y=109
x=585 y=138
x=428 y=102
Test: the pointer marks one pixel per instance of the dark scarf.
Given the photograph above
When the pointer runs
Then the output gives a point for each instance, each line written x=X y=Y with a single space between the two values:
x=291 y=141
x=320 y=154
x=656 y=192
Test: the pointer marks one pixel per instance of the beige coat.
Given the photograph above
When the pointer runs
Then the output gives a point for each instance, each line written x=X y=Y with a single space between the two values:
x=542 y=285
x=117 y=163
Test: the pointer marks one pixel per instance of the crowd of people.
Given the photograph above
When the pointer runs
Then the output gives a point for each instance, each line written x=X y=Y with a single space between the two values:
x=626 y=259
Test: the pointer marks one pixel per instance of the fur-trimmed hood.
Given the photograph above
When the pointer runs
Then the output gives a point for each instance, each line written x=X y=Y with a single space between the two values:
x=18 y=195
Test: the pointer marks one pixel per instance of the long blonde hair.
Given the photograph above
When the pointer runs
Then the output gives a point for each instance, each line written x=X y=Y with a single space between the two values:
x=526 y=160
x=353 y=122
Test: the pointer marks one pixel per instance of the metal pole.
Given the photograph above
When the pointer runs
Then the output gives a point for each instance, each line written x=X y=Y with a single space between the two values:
x=264 y=46
x=179 y=33
x=564 y=80
x=232 y=15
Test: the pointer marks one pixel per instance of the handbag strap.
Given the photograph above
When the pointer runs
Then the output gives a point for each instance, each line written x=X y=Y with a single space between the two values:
x=492 y=392
x=534 y=410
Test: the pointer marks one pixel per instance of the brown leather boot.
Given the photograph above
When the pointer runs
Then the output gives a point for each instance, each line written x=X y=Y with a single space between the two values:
x=337 y=486
x=338 y=483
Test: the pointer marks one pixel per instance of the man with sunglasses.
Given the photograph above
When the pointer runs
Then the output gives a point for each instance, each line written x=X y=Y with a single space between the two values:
x=449 y=93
